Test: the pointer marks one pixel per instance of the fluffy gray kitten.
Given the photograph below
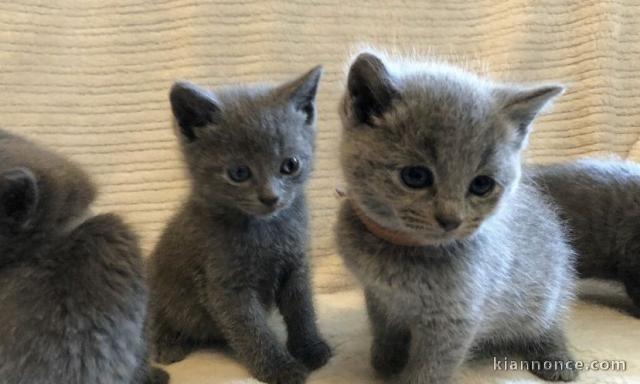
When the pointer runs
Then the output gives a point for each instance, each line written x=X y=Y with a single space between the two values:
x=456 y=253
x=237 y=247
x=600 y=200
x=73 y=296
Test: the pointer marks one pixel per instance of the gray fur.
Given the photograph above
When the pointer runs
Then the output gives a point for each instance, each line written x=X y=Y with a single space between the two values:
x=230 y=253
x=504 y=278
x=73 y=298
x=600 y=201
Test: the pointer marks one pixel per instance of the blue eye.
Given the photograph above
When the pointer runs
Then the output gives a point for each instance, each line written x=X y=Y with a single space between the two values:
x=239 y=174
x=482 y=185
x=416 y=177
x=290 y=166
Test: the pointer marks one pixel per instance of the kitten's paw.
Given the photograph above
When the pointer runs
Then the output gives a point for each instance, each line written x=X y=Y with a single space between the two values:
x=289 y=373
x=635 y=312
x=170 y=353
x=313 y=355
x=157 y=376
x=388 y=361
x=555 y=371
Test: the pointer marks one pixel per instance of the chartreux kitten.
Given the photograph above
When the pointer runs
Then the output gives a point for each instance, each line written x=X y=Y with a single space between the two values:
x=599 y=200
x=457 y=254
x=72 y=291
x=237 y=246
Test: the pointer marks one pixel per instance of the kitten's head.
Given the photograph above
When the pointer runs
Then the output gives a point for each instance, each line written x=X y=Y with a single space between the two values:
x=248 y=148
x=40 y=191
x=431 y=150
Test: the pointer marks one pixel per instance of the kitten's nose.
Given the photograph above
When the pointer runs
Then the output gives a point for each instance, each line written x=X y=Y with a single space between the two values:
x=269 y=201
x=448 y=223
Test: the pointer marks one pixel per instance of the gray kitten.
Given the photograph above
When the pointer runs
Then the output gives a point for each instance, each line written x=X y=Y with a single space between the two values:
x=600 y=201
x=456 y=253
x=72 y=294
x=237 y=247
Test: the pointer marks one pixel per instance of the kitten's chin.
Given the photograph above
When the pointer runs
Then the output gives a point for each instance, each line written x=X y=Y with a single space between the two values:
x=265 y=213
x=435 y=240
x=445 y=238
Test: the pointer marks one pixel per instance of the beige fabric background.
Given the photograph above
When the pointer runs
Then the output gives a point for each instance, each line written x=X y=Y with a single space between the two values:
x=90 y=79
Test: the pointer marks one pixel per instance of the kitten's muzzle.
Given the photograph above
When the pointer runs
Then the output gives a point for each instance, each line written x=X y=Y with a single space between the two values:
x=269 y=201
x=448 y=223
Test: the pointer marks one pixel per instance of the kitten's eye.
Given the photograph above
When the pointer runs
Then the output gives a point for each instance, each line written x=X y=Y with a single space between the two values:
x=290 y=166
x=239 y=174
x=482 y=185
x=416 y=177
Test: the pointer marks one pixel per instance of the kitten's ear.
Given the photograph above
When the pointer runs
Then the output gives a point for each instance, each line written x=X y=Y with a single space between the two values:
x=18 y=198
x=193 y=108
x=370 y=88
x=522 y=105
x=301 y=92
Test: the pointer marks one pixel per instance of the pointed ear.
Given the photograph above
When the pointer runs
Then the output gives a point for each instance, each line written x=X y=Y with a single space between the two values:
x=193 y=107
x=522 y=105
x=370 y=88
x=18 y=197
x=301 y=93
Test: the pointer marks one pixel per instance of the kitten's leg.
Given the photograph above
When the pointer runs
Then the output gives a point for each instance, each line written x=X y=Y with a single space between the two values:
x=157 y=376
x=243 y=322
x=552 y=348
x=146 y=373
x=438 y=348
x=296 y=306
x=391 y=341
x=631 y=280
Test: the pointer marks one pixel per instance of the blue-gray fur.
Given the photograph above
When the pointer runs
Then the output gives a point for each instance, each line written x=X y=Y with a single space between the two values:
x=600 y=201
x=73 y=297
x=230 y=253
x=504 y=278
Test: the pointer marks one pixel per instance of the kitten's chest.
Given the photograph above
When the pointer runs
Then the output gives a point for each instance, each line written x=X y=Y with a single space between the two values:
x=430 y=277
x=412 y=293
x=266 y=252
x=274 y=239
x=417 y=279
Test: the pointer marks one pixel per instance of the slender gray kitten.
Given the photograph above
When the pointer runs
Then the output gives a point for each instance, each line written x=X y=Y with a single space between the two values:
x=72 y=289
x=237 y=247
x=456 y=253
x=600 y=200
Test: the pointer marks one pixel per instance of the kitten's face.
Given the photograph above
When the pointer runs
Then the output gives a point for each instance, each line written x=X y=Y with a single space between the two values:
x=253 y=149
x=432 y=154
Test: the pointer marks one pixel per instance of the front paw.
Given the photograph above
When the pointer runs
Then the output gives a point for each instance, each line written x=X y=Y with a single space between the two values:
x=313 y=354
x=635 y=312
x=170 y=353
x=157 y=375
x=556 y=369
x=553 y=374
x=290 y=373
x=388 y=361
